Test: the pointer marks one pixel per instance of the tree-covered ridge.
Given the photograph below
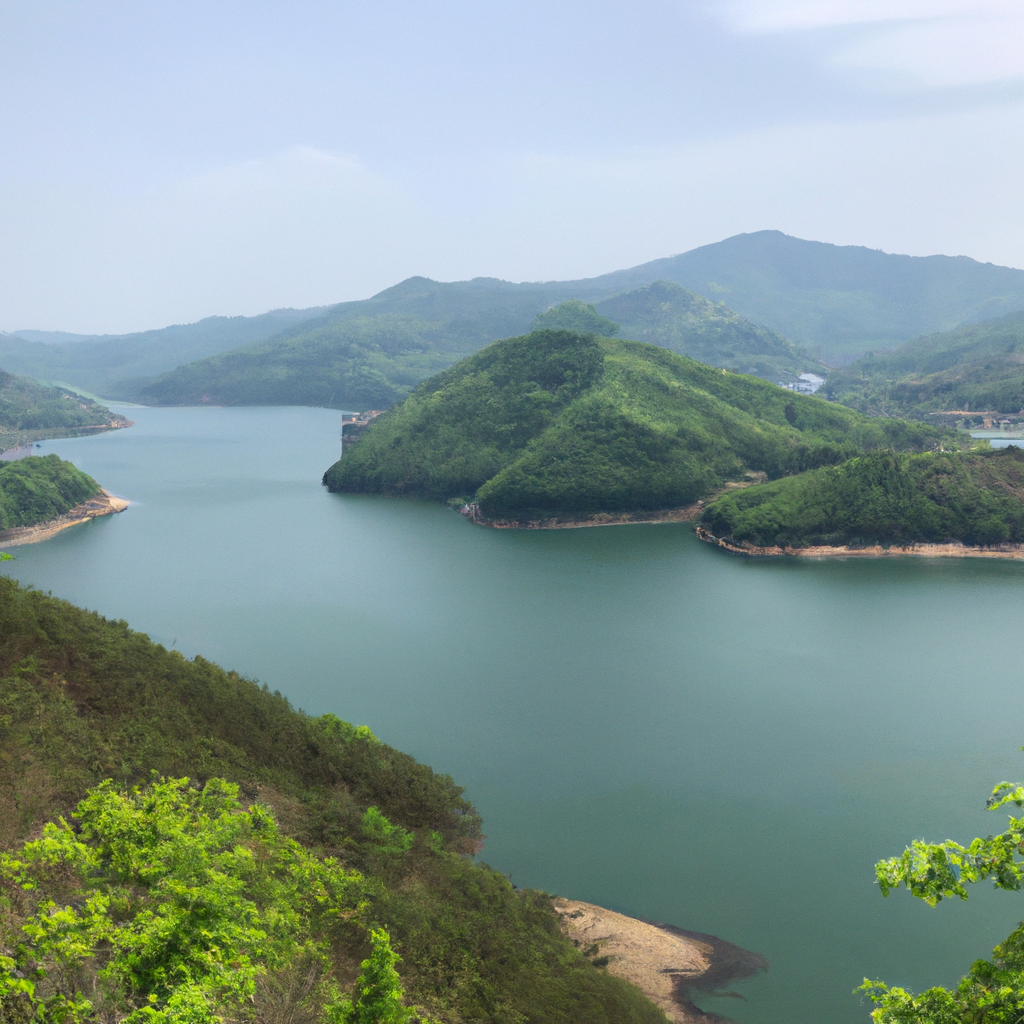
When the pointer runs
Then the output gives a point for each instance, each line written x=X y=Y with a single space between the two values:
x=39 y=488
x=109 y=364
x=84 y=699
x=32 y=412
x=979 y=368
x=974 y=497
x=668 y=315
x=371 y=354
x=836 y=299
x=560 y=424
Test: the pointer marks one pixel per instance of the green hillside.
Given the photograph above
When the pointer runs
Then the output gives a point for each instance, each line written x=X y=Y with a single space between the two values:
x=975 y=368
x=557 y=424
x=668 y=315
x=84 y=699
x=974 y=497
x=107 y=364
x=371 y=354
x=35 y=489
x=835 y=299
x=31 y=412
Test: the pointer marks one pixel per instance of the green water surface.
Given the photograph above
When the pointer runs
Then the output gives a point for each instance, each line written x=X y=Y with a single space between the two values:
x=644 y=722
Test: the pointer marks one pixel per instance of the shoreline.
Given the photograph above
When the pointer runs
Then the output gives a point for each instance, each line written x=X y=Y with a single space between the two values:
x=686 y=514
x=666 y=963
x=951 y=550
x=103 y=504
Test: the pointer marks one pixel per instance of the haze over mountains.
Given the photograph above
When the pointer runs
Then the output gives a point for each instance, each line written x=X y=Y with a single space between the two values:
x=762 y=303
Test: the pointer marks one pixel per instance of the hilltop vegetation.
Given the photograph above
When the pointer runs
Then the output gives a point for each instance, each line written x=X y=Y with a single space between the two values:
x=974 y=497
x=38 y=488
x=31 y=412
x=84 y=699
x=557 y=424
x=110 y=365
x=668 y=315
x=979 y=367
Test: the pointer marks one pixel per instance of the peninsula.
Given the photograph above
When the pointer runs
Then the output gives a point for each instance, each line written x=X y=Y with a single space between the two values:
x=883 y=503
x=42 y=495
x=31 y=412
x=561 y=427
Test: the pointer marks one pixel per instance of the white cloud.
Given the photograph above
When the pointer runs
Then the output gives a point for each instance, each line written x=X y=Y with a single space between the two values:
x=932 y=43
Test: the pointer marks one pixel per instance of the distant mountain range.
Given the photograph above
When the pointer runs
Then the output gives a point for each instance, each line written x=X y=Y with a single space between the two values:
x=764 y=303
x=104 y=363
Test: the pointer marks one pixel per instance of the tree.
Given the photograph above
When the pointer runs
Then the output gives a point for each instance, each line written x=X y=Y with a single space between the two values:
x=993 y=990
x=379 y=991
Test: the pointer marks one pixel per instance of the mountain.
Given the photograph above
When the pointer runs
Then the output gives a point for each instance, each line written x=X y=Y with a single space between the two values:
x=835 y=299
x=974 y=498
x=372 y=353
x=31 y=412
x=561 y=425
x=85 y=699
x=831 y=302
x=101 y=364
x=978 y=368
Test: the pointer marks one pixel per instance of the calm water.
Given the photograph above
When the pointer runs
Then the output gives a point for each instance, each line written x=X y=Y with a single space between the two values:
x=644 y=722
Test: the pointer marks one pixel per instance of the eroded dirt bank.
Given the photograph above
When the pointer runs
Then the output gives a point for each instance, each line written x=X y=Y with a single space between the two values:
x=871 y=551
x=104 y=504
x=666 y=963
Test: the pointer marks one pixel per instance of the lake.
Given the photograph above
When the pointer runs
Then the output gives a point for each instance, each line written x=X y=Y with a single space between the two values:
x=645 y=722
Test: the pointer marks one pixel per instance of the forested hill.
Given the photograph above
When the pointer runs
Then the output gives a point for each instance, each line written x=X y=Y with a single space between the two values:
x=31 y=412
x=561 y=425
x=974 y=498
x=85 y=699
x=371 y=354
x=37 y=489
x=107 y=364
x=979 y=367
x=835 y=298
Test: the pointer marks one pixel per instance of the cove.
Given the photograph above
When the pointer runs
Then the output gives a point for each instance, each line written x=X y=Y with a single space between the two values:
x=645 y=722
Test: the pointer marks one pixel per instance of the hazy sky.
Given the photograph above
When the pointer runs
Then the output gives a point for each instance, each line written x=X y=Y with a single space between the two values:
x=163 y=161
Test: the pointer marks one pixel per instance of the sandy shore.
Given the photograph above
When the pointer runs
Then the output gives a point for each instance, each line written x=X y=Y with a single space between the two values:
x=667 y=964
x=873 y=551
x=104 y=504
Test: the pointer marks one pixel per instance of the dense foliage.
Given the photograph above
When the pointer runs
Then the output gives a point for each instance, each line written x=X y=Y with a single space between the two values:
x=578 y=317
x=371 y=354
x=30 y=412
x=109 y=365
x=836 y=298
x=560 y=424
x=38 y=488
x=979 y=367
x=83 y=699
x=993 y=990
x=668 y=315
x=974 y=497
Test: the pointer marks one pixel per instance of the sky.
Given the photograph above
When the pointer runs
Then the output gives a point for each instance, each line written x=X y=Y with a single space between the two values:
x=166 y=161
